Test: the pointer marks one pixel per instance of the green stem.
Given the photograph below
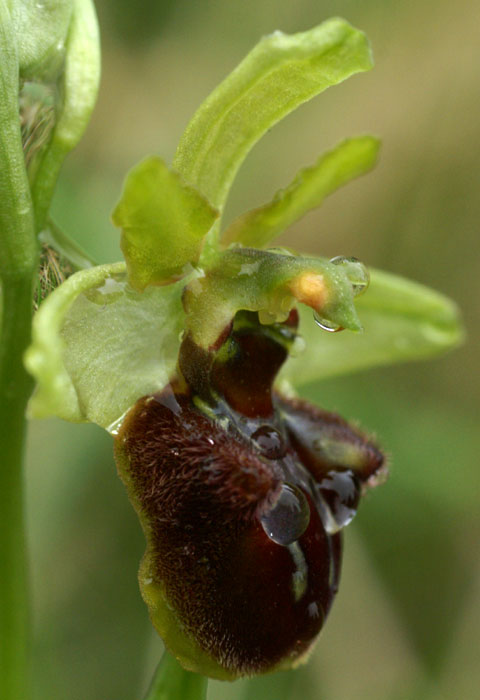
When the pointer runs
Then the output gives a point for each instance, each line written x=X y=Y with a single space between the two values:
x=172 y=682
x=18 y=261
x=15 y=387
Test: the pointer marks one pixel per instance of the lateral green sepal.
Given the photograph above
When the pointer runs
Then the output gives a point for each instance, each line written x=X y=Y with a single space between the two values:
x=98 y=345
x=402 y=321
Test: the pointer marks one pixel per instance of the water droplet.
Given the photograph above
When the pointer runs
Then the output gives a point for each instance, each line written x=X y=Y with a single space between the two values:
x=288 y=519
x=341 y=493
x=269 y=442
x=313 y=610
x=109 y=292
x=114 y=428
x=356 y=272
x=168 y=399
x=249 y=269
x=326 y=324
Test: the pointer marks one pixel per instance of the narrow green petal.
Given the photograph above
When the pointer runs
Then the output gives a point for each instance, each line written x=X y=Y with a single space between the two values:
x=277 y=76
x=163 y=223
x=98 y=345
x=349 y=159
x=402 y=321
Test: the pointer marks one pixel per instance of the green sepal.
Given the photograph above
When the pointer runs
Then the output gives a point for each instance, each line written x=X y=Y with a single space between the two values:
x=402 y=321
x=269 y=283
x=163 y=223
x=98 y=345
x=349 y=159
x=278 y=75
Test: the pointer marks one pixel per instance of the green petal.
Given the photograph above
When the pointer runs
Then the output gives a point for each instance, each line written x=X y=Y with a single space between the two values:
x=278 y=75
x=163 y=223
x=402 y=321
x=307 y=191
x=98 y=345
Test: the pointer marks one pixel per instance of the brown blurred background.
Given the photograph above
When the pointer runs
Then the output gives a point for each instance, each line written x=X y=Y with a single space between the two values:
x=405 y=622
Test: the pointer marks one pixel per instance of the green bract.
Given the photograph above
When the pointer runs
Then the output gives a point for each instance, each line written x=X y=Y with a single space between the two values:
x=77 y=86
x=41 y=28
x=110 y=334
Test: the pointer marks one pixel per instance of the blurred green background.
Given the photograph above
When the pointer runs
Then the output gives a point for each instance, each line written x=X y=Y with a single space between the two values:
x=406 y=620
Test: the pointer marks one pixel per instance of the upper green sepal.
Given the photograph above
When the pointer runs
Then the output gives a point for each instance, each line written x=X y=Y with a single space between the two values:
x=163 y=223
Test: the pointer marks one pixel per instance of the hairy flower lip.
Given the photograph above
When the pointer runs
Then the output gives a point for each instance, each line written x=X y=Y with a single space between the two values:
x=237 y=507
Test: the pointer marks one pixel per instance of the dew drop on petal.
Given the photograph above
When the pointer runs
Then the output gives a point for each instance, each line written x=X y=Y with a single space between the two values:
x=288 y=518
x=356 y=272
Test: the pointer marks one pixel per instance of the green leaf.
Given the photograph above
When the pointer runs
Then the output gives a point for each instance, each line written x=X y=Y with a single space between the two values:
x=402 y=321
x=163 y=223
x=349 y=159
x=278 y=75
x=98 y=345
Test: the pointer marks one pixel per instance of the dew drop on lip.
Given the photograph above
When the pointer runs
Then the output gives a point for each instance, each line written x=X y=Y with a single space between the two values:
x=288 y=518
x=341 y=493
x=269 y=442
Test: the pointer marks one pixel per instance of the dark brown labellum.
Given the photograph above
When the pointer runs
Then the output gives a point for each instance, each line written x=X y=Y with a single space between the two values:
x=241 y=494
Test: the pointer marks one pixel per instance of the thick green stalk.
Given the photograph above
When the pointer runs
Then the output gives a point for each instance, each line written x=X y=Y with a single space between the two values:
x=172 y=682
x=18 y=260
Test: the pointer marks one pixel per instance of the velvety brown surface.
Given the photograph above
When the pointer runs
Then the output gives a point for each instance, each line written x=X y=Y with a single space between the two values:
x=208 y=475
